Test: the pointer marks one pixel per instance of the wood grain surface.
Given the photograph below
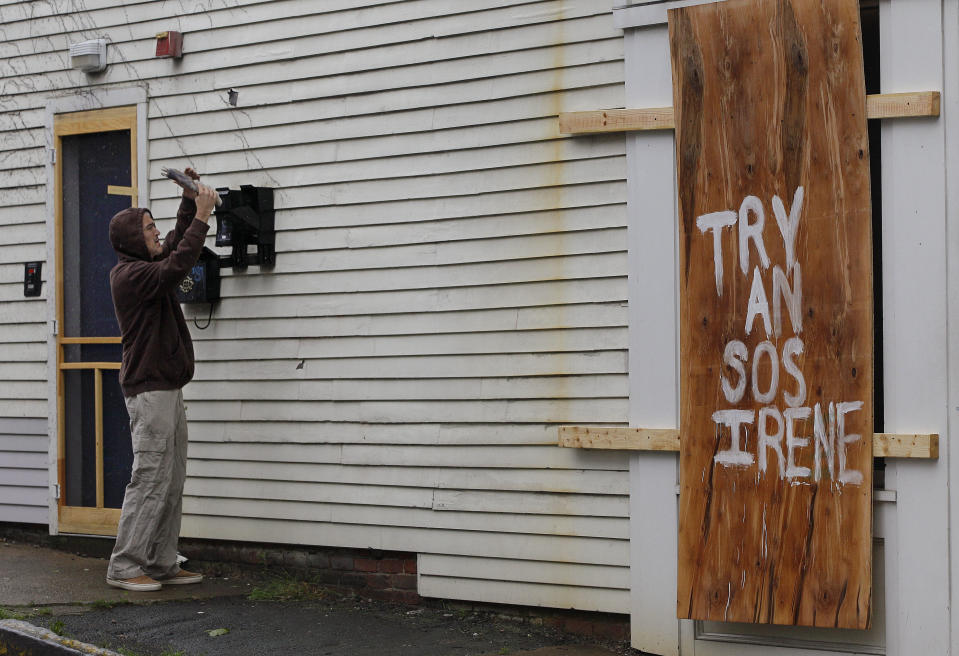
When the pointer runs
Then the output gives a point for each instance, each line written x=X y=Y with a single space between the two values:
x=776 y=313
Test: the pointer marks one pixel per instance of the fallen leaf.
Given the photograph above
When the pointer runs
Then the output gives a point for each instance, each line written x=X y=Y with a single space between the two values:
x=217 y=632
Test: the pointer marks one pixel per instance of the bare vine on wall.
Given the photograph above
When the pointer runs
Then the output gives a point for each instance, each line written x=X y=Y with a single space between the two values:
x=24 y=88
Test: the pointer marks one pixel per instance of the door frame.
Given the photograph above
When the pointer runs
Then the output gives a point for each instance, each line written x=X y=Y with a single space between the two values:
x=102 y=521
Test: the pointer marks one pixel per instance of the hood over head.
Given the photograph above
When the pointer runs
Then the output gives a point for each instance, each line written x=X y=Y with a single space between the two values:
x=126 y=233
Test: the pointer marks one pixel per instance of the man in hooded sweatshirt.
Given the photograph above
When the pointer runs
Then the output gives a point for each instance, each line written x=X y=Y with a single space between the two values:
x=157 y=363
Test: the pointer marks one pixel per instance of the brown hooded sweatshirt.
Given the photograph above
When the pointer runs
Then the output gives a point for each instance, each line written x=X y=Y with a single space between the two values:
x=157 y=349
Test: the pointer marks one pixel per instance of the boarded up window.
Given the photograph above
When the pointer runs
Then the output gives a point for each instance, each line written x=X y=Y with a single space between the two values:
x=776 y=313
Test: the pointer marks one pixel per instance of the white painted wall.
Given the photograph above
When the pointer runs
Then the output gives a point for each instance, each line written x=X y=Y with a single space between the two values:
x=450 y=279
x=23 y=470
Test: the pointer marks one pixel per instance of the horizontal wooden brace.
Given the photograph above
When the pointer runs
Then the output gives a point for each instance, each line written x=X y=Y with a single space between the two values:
x=91 y=340
x=117 y=190
x=90 y=365
x=883 y=105
x=884 y=445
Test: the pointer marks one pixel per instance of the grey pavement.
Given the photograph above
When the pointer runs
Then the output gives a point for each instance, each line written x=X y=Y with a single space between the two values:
x=66 y=592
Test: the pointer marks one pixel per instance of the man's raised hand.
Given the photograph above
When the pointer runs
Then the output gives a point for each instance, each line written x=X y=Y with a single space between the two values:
x=205 y=201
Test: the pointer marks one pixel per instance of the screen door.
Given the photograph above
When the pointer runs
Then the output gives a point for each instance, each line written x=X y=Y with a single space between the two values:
x=95 y=178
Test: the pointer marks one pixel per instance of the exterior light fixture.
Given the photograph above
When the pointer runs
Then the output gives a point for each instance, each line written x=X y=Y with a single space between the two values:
x=89 y=56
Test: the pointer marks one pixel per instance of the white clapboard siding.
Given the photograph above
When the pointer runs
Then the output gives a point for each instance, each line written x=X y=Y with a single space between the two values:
x=22 y=252
x=394 y=231
x=526 y=140
x=33 y=310
x=20 y=131
x=434 y=366
x=12 y=159
x=25 y=196
x=255 y=65
x=413 y=389
x=317 y=124
x=576 y=411
x=23 y=409
x=600 y=576
x=530 y=480
x=527 y=503
x=13 y=11
x=11 y=273
x=527 y=341
x=21 y=176
x=515 y=204
x=23 y=351
x=418 y=72
x=518 y=295
x=586 y=207
x=298 y=22
x=16 y=214
x=330 y=493
x=29 y=371
x=571 y=267
x=528 y=457
x=450 y=185
x=496 y=159
x=390 y=515
x=260 y=72
x=550 y=548
x=525 y=593
x=23 y=469
x=23 y=331
x=298 y=432
x=580 y=315
x=23 y=233
x=450 y=284
x=505 y=248
x=25 y=389
x=253 y=14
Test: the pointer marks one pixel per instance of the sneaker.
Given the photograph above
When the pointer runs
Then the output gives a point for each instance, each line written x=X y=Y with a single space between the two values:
x=183 y=577
x=137 y=584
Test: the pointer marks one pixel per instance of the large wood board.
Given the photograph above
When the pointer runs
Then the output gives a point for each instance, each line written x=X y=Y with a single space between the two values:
x=776 y=313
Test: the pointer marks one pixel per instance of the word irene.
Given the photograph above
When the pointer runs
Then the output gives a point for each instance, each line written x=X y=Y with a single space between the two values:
x=775 y=425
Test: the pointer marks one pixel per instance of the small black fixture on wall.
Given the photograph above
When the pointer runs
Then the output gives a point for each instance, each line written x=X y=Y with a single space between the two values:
x=202 y=284
x=245 y=216
x=32 y=278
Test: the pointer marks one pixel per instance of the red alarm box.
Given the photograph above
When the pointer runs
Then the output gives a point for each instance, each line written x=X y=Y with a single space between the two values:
x=169 y=44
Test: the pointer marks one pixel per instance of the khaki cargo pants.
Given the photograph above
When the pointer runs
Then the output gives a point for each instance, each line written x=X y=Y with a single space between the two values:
x=150 y=519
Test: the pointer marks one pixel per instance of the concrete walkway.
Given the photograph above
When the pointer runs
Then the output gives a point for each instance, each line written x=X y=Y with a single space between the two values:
x=234 y=616
x=37 y=576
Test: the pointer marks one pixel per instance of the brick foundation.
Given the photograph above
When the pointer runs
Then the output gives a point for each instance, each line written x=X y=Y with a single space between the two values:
x=383 y=575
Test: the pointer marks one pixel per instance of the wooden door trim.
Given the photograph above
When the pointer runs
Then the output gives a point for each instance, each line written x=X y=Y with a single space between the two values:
x=98 y=520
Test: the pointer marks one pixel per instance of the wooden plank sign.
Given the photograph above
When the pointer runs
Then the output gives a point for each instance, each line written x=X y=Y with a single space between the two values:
x=776 y=313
